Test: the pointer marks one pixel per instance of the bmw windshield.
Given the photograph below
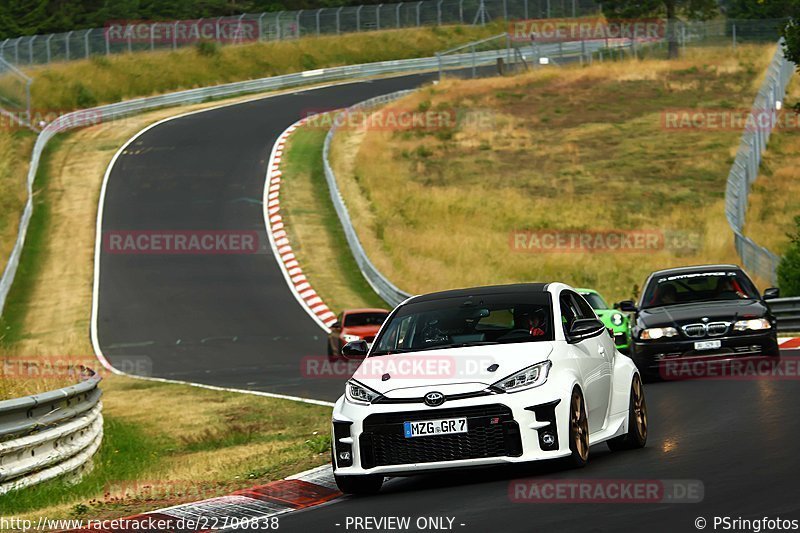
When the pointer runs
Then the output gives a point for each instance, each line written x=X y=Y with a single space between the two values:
x=467 y=321
x=698 y=287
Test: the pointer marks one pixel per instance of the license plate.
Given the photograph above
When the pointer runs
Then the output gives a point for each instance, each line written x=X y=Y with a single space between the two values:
x=707 y=345
x=425 y=428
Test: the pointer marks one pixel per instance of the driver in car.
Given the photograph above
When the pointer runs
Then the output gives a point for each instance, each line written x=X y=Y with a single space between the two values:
x=532 y=321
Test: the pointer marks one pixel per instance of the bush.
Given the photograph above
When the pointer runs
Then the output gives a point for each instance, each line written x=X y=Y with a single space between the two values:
x=207 y=48
x=84 y=97
x=789 y=267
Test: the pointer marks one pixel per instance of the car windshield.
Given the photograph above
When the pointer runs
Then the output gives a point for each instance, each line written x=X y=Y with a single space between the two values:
x=364 y=319
x=595 y=300
x=467 y=321
x=698 y=287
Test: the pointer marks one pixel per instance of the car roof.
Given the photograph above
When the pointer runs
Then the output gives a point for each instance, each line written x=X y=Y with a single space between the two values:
x=480 y=291
x=364 y=310
x=587 y=290
x=698 y=268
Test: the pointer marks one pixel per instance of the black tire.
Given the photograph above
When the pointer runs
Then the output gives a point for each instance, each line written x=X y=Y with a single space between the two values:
x=578 y=431
x=636 y=437
x=359 y=485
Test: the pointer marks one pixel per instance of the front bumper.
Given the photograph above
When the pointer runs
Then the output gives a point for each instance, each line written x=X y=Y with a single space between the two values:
x=654 y=356
x=502 y=429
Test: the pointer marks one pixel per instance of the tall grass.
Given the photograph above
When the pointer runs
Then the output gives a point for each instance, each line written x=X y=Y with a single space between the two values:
x=572 y=149
x=104 y=79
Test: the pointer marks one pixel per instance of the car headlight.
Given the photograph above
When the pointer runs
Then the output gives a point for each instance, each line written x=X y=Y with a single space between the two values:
x=350 y=338
x=616 y=319
x=533 y=376
x=651 y=334
x=754 y=324
x=355 y=392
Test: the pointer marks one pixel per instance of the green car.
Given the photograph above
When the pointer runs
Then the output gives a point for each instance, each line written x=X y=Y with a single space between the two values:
x=617 y=321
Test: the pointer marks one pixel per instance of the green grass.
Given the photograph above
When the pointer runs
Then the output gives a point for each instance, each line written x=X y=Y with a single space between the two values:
x=314 y=229
x=31 y=260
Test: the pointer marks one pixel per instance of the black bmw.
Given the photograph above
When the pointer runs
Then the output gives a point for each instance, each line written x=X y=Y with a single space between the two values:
x=709 y=313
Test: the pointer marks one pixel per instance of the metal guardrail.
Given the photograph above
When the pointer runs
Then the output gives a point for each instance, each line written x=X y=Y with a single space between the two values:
x=787 y=311
x=48 y=435
x=133 y=36
x=744 y=172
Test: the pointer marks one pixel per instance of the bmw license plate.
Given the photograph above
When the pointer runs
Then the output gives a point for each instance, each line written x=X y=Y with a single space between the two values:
x=707 y=345
x=425 y=428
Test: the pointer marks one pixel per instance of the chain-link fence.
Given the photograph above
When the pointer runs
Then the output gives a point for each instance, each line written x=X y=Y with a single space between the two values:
x=15 y=95
x=130 y=36
x=744 y=172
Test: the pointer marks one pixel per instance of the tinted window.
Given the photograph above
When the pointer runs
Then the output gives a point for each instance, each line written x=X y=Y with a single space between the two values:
x=697 y=287
x=364 y=319
x=595 y=300
x=465 y=321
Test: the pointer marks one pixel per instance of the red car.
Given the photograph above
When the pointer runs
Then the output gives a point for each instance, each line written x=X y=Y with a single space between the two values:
x=352 y=325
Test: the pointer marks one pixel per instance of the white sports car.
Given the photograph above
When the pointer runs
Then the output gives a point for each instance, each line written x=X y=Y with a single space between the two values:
x=483 y=376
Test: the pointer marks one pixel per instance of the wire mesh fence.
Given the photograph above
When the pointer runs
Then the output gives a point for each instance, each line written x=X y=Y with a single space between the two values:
x=132 y=36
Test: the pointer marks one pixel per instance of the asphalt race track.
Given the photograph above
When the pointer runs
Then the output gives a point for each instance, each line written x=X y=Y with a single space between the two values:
x=230 y=320
x=223 y=319
x=735 y=437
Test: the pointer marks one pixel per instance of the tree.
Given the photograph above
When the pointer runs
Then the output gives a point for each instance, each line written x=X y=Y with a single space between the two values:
x=670 y=9
x=789 y=267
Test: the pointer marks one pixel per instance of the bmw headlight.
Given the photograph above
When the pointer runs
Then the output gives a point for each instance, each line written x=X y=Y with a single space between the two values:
x=616 y=319
x=355 y=392
x=754 y=324
x=651 y=334
x=533 y=376
x=350 y=338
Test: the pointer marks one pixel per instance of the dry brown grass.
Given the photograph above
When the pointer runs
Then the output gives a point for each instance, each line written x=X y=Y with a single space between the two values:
x=775 y=196
x=566 y=149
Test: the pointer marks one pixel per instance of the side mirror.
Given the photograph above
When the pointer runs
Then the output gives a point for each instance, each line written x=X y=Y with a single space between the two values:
x=585 y=328
x=628 y=306
x=336 y=325
x=355 y=350
x=771 y=293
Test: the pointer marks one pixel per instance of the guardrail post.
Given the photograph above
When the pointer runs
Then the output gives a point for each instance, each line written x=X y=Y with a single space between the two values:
x=472 y=51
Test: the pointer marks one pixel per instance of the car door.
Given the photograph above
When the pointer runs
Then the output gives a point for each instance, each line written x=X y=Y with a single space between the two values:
x=594 y=359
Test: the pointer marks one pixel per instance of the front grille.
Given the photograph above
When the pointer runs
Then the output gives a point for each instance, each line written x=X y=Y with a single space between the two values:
x=716 y=329
x=491 y=432
x=695 y=330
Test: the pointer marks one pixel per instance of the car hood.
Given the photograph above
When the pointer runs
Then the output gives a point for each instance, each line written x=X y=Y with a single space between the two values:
x=451 y=370
x=678 y=315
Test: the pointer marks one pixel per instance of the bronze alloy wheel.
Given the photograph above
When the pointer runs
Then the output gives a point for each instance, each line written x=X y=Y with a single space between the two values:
x=639 y=408
x=579 y=427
